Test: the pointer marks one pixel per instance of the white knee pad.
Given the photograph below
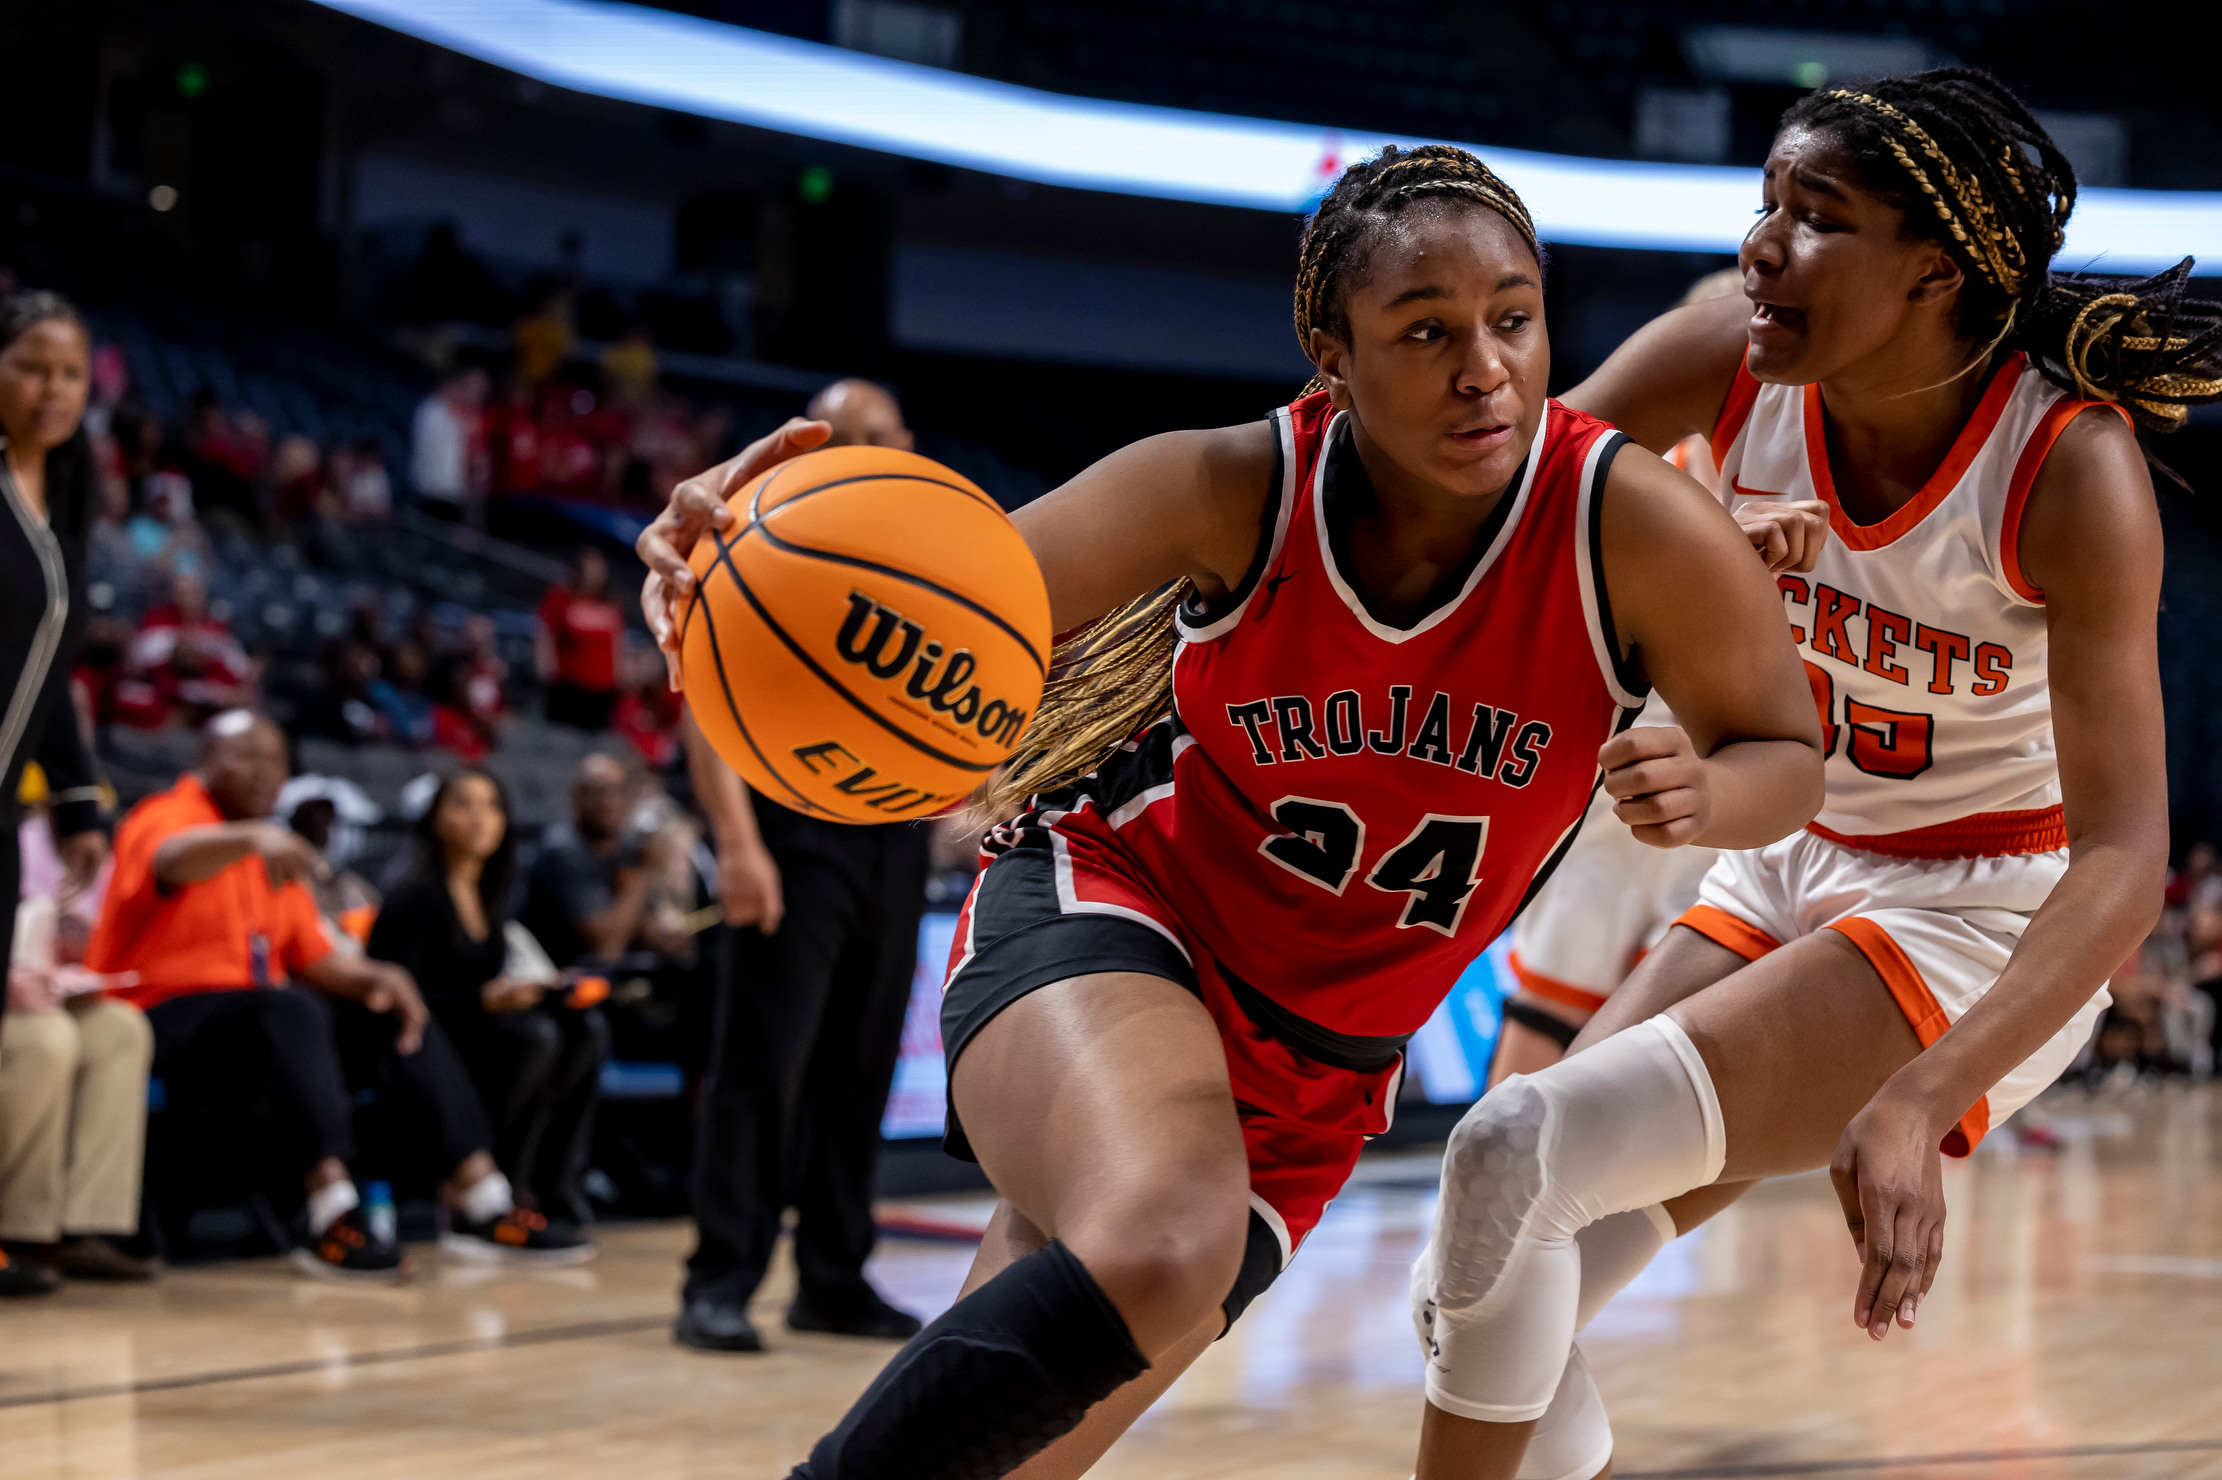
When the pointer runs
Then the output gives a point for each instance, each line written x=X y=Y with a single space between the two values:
x=1497 y=1296
x=1614 y=1251
x=1573 y=1438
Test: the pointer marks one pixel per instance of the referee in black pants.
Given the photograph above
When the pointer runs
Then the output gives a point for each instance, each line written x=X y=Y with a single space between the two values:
x=808 y=1026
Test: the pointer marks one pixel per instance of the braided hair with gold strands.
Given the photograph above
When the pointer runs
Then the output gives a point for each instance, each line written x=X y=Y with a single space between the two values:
x=1113 y=677
x=1978 y=174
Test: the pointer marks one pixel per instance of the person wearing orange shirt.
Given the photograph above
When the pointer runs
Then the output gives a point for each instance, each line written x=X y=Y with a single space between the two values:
x=208 y=906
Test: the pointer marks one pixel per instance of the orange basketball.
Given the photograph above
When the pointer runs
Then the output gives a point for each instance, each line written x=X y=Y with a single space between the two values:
x=869 y=637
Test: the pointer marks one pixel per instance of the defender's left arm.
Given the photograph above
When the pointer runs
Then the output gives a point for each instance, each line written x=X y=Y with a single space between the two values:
x=2091 y=542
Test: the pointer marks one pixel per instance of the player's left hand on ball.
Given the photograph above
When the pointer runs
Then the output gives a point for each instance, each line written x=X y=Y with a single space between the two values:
x=1788 y=534
x=1889 y=1179
x=1660 y=782
x=696 y=507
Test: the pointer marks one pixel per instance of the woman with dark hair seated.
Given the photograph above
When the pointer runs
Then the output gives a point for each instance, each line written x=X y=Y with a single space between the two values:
x=537 y=1063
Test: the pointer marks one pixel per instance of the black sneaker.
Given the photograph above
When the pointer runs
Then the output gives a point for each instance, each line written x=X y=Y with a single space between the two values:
x=518 y=1236
x=348 y=1250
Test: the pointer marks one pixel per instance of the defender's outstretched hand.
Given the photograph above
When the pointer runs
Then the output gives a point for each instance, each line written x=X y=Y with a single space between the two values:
x=697 y=506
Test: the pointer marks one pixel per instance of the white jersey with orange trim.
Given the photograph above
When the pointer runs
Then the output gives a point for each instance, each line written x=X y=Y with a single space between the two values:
x=1941 y=834
x=1924 y=641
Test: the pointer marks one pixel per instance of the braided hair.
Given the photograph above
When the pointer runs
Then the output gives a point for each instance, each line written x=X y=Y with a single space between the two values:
x=1979 y=175
x=1339 y=239
x=1113 y=677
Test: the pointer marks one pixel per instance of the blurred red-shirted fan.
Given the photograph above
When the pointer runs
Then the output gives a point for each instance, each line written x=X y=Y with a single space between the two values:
x=872 y=640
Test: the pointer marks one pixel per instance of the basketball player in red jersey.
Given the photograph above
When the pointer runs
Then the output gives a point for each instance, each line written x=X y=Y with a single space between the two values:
x=1399 y=631
x=1968 y=551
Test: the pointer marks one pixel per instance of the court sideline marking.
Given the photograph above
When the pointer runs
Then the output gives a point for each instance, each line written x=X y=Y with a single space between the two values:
x=583 y=1331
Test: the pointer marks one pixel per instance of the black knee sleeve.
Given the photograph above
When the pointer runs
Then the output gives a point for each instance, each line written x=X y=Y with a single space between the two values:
x=1005 y=1372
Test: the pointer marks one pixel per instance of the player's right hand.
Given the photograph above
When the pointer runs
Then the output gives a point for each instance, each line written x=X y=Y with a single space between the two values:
x=1788 y=535
x=697 y=506
x=287 y=856
x=1660 y=784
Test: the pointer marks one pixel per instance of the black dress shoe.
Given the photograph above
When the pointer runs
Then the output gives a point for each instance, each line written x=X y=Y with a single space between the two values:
x=712 y=1325
x=860 y=1314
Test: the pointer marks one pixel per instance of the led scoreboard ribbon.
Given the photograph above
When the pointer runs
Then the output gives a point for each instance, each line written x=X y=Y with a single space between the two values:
x=654 y=57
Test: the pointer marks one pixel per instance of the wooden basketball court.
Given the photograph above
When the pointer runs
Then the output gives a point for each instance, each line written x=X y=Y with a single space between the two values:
x=2076 y=1332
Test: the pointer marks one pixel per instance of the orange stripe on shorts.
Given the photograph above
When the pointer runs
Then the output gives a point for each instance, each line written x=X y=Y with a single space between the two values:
x=1919 y=1004
x=1551 y=989
x=1723 y=929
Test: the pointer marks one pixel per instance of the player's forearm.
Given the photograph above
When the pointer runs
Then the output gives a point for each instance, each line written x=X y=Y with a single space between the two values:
x=1760 y=790
x=2099 y=913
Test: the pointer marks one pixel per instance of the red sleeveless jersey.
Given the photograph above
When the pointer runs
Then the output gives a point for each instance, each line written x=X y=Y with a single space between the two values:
x=1341 y=812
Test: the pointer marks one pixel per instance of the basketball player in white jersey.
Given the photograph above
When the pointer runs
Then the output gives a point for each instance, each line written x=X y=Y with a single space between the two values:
x=1612 y=898
x=1976 y=605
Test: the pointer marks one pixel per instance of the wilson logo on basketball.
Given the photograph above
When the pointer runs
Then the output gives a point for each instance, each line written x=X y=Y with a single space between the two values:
x=884 y=642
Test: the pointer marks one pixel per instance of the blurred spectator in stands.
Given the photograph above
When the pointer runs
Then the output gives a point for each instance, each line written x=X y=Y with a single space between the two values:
x=399 y=696
x=446 y=445
x=667 y=448
x=183 y=664
x=669 y=838
x=299 y=491
x=455 y=729
x=513 y=439
x=366 y=622
x=576 y=644
x=209 y=907
x=341 y=709
x=542 y=340
x=810 y=1023
x=164 y=533
x=536 y=1060
x=647 y=711
x=480 y=672
x=100 y=666
x=629 y=369
x=110 y=554
x=111 y=382
x=863 y=415
x=228 y=454
x=573 y=443
x=358 y=471
x=587 y=891
x=330 y=813
x=73 y=1106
